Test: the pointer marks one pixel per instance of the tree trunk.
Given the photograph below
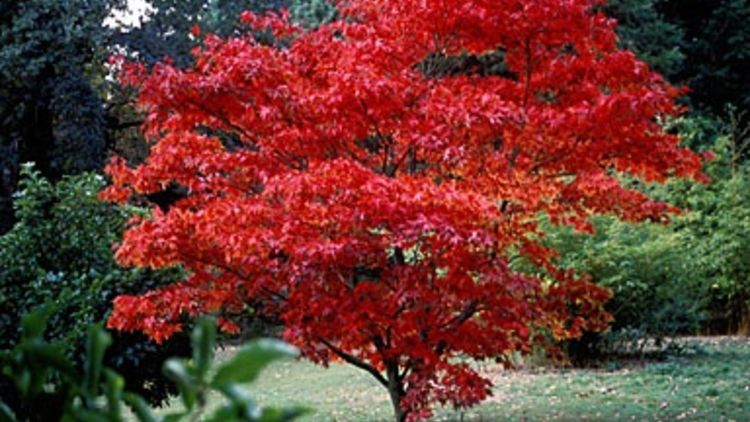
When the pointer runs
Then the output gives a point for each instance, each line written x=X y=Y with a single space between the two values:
x=743 y=326
x=396 y=392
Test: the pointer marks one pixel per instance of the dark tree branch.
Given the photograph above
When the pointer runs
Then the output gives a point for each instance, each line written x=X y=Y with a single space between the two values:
x=353 y=360
x=127 y=125
x=234 y=272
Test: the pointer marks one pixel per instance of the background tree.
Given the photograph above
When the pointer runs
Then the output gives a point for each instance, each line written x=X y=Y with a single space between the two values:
x=373 y=199
x=643 y=29
x=701 y=44
x=717 y=53
x=51 y=113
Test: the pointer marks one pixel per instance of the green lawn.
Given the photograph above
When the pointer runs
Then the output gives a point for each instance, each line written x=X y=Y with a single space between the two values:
x=709 y=384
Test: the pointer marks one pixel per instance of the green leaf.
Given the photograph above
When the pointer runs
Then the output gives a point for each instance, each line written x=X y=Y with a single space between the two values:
x=227 y=413
x=97 y=343
x=6 y=415
x=34 y=324
x=140 y=407
x=247 y=364
x=24 y=382
x=175 y=370
x=114 y=389
x=40 y=352
x=283 y=415
x=175 y=417
x=241 y=401
x=86 y=415
x=203 y=340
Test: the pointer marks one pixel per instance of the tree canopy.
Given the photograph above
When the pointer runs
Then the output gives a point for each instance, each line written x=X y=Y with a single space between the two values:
x=51 y=113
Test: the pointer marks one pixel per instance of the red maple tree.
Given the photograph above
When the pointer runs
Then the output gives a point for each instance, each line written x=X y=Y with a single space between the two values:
x=371 y=183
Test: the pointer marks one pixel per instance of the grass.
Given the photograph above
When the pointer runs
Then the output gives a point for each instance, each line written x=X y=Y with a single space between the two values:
x=710 y=384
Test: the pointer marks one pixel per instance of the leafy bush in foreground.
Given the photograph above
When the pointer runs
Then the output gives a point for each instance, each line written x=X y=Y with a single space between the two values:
x=97 y=393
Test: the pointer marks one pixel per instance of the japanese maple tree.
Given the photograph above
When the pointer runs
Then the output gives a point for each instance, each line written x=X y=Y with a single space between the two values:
x=371 y=182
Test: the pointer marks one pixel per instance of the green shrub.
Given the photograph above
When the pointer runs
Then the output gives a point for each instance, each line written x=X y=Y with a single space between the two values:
x=60 y=252
x=720 y=223
x=97 y=393
x=717 y=220
x=657 y=290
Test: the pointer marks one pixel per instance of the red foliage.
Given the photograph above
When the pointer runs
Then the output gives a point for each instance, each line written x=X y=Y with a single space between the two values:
x=345 y=183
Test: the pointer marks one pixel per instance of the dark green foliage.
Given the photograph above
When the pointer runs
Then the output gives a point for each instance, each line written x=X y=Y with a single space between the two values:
x=98 y=393
x=717 y=46
x=49 y=52
x=702 y=44
x=60 y=252
x=80 y=129
x=166 y=32
x=643 y=29
x=51 y=62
